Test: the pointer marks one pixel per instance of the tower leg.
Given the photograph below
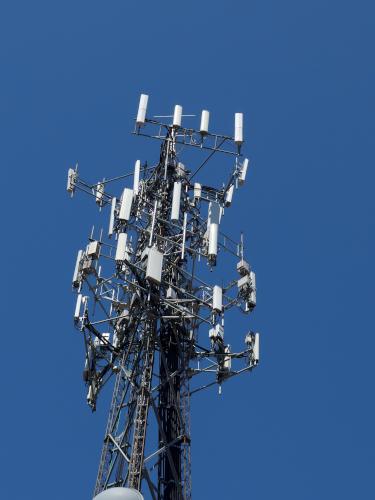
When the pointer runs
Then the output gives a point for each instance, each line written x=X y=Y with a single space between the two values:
x=170 y=420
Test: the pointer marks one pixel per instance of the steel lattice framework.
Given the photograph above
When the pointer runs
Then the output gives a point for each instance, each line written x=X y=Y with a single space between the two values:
x=141 y=301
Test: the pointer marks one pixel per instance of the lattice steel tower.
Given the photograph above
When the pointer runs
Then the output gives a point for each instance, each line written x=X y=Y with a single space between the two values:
x=143 y=295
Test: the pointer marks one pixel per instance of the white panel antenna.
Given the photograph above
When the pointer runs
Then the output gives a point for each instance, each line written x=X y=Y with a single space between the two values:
x=126 y=205
x=214 y=212
x=238 y=128
x=137 y=171
x=217 y=299
x=212 y=241
x=253 y=280
x=121 y=249
x=243 y=171
x=71 y=181
x=229 y=196
x=177 y=116
x=77 y=312
x=256 y=348
x=112 y=217
x=154 y=265
x=75 y=280
x=205 y=120
x=142 y=110
x=176 y=201
x=253 y=295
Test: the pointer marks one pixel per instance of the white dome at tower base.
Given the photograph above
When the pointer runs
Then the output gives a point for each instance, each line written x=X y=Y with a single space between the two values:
x=119 y=494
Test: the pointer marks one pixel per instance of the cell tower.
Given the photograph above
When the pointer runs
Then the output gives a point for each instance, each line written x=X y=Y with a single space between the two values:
x=143 y=296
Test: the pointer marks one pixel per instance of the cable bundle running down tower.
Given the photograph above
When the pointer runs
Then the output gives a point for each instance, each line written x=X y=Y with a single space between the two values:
x=142 y=297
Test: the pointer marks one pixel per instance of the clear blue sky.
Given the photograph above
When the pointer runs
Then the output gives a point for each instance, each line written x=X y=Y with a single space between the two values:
x=302 y=426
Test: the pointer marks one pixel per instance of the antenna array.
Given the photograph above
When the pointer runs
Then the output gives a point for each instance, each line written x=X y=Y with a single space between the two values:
x=142 y=298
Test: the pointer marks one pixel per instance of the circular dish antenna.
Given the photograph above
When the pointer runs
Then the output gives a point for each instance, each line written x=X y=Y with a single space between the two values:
x=119 y=494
